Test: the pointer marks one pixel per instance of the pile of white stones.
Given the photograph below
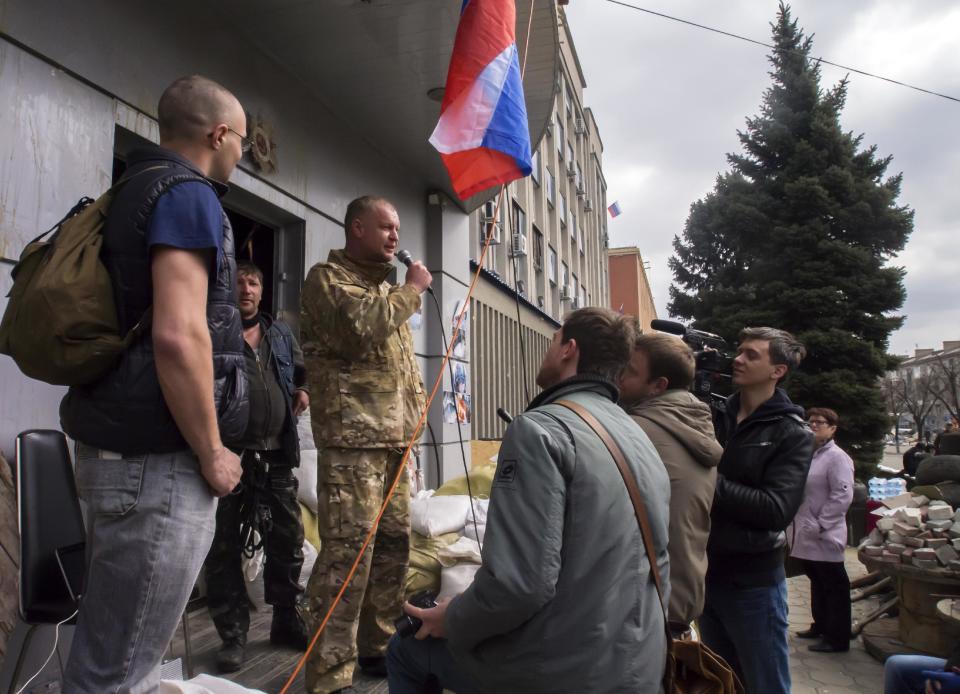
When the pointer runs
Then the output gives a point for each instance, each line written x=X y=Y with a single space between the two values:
x=923 y=533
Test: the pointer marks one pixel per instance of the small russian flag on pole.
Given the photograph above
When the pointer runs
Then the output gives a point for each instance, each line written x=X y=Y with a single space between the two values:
x=482 y=134
x=614 y=209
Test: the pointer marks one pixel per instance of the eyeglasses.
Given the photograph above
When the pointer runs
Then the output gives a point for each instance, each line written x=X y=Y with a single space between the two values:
x=245 y=142
x=819 y=423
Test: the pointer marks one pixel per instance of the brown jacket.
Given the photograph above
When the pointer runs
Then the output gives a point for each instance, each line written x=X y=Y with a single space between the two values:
x=681 y=430
x=365 y=385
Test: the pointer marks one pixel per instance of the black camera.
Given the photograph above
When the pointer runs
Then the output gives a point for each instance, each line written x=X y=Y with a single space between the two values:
x=407 y=625
x=714 y=365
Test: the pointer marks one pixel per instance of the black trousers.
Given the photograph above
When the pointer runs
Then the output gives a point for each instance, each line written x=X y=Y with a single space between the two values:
x=227 y=598
x=829 y=600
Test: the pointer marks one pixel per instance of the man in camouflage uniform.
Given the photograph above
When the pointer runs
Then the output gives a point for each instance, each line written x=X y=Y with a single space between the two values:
x=266 y=498
x=367 y=396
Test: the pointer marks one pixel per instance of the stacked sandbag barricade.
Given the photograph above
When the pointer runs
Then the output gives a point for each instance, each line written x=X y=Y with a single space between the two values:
x=446 y=538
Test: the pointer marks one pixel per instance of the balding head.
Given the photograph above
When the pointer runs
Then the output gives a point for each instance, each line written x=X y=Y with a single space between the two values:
x=204 y=122
x=192 y=106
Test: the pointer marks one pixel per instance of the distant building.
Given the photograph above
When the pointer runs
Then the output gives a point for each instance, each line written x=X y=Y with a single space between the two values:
x=549 y=254
x=938 y=369
x=629 y=288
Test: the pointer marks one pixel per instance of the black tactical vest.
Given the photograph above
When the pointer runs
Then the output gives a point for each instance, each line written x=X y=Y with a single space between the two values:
x=125 y=411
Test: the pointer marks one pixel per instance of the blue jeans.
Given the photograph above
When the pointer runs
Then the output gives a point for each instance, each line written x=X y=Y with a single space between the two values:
x=901 y=673
x=411 y=664
x=150 y=522
x=747 y=627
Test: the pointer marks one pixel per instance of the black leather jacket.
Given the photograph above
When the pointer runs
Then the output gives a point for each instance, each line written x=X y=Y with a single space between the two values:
x=760 y=484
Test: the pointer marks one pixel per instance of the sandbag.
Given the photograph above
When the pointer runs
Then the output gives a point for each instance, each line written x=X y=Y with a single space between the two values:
x=305 y=431
x=306 y=476
x=463 y=550
x=475 y=526
x=423 y=572
x=456 y=579
x=939 y=468
x=481 y=479
x=435 y=515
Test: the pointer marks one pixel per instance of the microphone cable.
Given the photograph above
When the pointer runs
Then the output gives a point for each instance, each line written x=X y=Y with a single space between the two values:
x=404 y=257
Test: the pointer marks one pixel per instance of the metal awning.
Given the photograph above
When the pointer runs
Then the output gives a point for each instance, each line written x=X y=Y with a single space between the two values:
x=373 y=62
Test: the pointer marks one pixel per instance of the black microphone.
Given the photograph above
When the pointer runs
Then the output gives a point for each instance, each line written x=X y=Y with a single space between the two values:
x=504 y=415
x=404 y=257
x=668 y=326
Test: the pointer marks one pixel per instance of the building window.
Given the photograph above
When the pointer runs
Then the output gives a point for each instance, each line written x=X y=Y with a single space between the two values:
x=552 y=266
x=535 y=164
x=579 y=178
x=564 y=275
x=537 y=250
x=574 y=284
x=551 y=188
x=561 y=138
x=519 y=220
x=582 y=244
x=563 y=210
x=569 y=98
x=571 y=157
x=573 y=223
x=583 y=296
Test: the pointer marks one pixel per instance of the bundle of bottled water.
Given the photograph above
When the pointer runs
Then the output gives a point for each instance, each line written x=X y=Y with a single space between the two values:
x=879 y=488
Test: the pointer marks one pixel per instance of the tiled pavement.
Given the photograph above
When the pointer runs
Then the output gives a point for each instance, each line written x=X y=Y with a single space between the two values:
x=830 y=673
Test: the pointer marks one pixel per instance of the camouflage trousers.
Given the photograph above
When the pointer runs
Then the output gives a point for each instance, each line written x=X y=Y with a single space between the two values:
x=227 y=598
x=351 y=486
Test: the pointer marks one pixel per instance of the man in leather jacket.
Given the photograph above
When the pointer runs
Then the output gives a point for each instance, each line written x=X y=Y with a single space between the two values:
x=766 y=456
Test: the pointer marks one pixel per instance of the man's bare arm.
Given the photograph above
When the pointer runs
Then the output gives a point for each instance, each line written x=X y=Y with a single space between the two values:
x=184 y=359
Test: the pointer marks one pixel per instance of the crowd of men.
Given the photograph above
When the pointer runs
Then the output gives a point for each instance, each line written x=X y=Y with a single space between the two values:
x=206 y=407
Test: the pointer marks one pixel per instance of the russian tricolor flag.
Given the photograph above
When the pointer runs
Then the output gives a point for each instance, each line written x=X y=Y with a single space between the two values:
x=482 y=134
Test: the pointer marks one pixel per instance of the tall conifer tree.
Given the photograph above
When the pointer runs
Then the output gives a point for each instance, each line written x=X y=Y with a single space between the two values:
x=798 y=235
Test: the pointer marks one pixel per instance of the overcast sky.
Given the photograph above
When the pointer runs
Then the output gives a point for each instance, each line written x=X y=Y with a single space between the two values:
x=669 y=98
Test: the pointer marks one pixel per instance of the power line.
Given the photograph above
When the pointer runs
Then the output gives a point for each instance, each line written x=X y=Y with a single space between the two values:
x=785 y=50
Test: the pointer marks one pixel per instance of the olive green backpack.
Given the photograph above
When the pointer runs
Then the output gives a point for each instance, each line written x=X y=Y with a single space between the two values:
x=61 y=324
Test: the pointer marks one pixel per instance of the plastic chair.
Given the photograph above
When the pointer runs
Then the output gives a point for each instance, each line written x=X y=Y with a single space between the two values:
x=49 y=518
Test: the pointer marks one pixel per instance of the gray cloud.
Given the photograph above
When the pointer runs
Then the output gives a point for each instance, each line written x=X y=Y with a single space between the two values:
x=669 y=98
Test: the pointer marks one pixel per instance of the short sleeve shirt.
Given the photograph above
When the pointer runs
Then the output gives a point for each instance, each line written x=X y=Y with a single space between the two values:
x=187 y=216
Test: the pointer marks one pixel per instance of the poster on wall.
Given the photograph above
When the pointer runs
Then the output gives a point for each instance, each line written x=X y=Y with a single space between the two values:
x=460 y=346
x=456 y=407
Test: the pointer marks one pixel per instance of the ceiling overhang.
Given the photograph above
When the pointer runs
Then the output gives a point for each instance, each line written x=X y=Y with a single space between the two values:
x=373 y=62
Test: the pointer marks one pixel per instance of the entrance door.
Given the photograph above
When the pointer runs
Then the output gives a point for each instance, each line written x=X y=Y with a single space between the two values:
x=263 y=233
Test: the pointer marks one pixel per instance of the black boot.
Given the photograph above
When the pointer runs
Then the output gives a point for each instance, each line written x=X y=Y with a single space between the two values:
x=375 y=666
x=230 y=656
x=288 y=629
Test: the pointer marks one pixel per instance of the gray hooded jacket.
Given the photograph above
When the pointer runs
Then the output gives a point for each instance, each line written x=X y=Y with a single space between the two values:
x=564 y=601
x=681 y=429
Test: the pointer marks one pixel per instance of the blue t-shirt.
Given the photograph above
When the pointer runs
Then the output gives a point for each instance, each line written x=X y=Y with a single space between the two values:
x=187 y=216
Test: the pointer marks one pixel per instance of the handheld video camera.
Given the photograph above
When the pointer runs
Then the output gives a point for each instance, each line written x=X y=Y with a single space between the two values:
x=714 y=364
x=407 y=625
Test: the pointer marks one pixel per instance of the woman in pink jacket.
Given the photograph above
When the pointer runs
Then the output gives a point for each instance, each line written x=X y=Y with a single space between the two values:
x=818 y=535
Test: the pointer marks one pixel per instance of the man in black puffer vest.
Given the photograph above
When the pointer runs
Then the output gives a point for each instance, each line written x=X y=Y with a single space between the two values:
x=150 y=456
x=767 y=448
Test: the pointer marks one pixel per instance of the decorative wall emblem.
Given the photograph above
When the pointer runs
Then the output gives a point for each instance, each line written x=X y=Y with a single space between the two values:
x=263 y=149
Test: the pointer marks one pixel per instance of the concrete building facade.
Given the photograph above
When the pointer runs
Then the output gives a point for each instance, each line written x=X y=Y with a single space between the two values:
x=548 y=251
x=341 y=95
x=629 y=287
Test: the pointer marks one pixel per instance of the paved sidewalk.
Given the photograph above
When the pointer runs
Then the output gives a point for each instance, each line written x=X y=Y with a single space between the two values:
x=853 y=672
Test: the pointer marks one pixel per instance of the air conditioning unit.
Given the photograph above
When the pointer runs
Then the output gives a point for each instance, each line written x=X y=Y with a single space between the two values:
x=565 y=293
x=572 y=170
x=489 y=225
x=519 y=245
x=587 y=205
x=579 y=127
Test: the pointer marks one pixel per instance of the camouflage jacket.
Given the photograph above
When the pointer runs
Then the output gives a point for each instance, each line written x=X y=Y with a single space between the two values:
x=365 y=385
